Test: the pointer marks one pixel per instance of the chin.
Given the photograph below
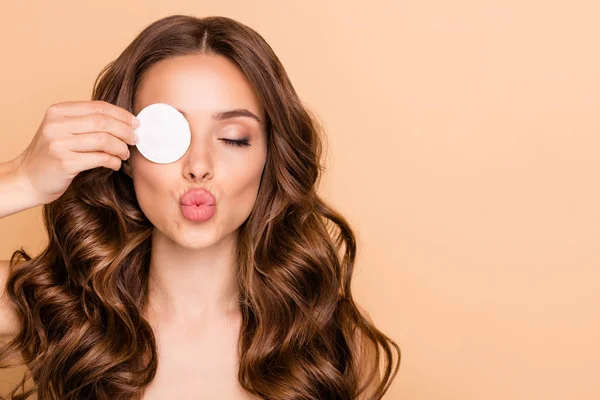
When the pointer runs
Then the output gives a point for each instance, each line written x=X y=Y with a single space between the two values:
x=191 y=243
x=196 y=237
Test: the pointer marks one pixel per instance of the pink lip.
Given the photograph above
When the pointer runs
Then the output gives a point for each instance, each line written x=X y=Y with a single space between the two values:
x=197 y=205
x=198 y=197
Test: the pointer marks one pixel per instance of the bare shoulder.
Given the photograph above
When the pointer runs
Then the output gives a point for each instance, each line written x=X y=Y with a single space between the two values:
x=364 y=312
x=366 y=358
x=9 y=321
x=365 y=345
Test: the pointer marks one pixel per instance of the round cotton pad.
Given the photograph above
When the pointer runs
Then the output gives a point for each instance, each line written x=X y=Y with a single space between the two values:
x=164 y=133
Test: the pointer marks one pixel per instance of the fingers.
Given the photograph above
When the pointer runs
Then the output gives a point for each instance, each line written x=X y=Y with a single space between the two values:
x=99 y=123
x=99 y=142
x=91 y=160
x=81 y=108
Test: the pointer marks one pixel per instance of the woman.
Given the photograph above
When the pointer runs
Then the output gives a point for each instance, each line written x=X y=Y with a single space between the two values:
x=130 y=299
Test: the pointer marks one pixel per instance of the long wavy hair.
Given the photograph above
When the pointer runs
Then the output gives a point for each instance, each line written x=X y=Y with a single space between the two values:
x=81 y=300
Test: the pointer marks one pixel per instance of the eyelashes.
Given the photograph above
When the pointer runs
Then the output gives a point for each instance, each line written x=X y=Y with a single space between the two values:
x=237 y=143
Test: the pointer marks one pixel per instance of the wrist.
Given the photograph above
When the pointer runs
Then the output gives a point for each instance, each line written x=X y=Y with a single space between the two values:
x=16 y=191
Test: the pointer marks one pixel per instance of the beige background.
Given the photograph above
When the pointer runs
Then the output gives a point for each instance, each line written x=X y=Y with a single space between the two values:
x=463 y=147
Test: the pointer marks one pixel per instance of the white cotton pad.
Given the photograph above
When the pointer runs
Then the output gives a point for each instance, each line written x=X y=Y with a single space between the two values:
x=164 y=133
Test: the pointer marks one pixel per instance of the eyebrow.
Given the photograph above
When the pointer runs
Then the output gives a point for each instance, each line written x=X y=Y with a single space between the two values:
x=238 y=112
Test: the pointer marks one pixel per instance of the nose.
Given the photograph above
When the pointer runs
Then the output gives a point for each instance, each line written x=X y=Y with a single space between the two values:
x=198 y=163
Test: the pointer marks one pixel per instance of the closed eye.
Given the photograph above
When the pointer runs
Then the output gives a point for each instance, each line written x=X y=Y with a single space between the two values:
x=237 y=143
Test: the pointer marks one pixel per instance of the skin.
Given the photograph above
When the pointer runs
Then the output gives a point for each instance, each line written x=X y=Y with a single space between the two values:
x=193 y=292
x=193 y=296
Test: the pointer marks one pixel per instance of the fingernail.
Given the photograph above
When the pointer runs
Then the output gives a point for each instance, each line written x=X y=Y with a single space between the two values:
x=136 y=122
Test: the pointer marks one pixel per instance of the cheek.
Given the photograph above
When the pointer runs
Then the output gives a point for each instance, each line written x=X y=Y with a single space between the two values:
x=152 y=188
x=242 y=189
x=236 y=179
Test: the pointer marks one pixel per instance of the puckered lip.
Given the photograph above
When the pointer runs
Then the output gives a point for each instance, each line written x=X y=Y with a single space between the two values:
x=198 y=196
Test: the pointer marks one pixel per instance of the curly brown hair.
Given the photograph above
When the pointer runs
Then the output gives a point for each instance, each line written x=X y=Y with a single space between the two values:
x=80 y=301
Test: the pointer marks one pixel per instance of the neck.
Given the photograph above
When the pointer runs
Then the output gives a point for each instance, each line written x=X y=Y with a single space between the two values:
x=192 y=286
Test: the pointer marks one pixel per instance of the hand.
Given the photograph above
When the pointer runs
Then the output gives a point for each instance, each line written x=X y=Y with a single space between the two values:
x=73 y=137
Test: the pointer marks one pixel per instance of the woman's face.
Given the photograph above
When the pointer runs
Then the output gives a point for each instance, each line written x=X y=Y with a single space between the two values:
x=201 y=85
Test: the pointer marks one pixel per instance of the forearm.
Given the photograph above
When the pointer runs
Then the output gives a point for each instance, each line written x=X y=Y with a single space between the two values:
x=14 y=197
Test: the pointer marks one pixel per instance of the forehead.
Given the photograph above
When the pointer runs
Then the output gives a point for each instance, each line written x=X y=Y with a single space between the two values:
x=198 y=84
